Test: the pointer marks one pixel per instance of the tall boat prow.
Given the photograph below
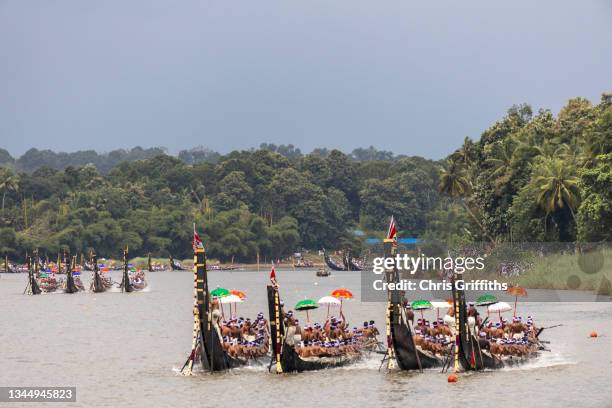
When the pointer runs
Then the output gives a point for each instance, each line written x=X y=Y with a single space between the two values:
x=402 y=346
x=97 y=284
x=32 y=288
x=467 y=347
x=207 y=339
x=126 y=285
x=481 y=347
x=70 y=285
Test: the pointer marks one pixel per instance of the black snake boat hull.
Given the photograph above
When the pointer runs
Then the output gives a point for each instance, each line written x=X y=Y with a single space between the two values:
x=212 y=355
x=284 y=355
x=407 y=354
x=473 y=353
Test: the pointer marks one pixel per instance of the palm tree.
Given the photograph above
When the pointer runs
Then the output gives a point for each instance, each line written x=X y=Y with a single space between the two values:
x=502 y=158
x=455 y=183
x=556 y=185
x=8 y=182
x=467 y=151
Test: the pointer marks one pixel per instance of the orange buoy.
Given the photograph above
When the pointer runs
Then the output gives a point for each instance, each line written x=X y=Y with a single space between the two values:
x=593 y=333
x=453 y=378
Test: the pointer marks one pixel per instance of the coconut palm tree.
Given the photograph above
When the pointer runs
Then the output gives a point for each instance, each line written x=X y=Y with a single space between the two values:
x=467 y=151
x=556 y=185
x=502 y=158
x=455 y=183
x=8 y=182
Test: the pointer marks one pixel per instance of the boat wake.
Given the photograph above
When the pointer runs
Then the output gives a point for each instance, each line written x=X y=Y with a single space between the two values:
x=373 y=362
x=545 y=360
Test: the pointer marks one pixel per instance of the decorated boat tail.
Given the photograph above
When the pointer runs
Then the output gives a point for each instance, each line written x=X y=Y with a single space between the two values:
x=32 y=287
x=331 y=263
x=402 y=348
x=285 y=357
x=207 y=345
x=126 y=285
x=477 y=348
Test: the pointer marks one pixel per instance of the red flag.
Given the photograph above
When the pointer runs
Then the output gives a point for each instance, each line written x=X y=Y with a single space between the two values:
x=392 y=232
x=272 y=273
x=273 y=276
x=197 y=242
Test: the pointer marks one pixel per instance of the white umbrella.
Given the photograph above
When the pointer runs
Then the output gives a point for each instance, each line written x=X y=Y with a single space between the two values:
x=231 y=299
x=499 y=307
x=440 y=304
x=329 y=301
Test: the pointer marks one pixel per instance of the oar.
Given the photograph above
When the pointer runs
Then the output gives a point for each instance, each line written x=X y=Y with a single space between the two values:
x=551 y=327
x=383 y=361
x=541 y=329
x=483 y=323
x=190 y=358
x=272 y=361
x=447 y=361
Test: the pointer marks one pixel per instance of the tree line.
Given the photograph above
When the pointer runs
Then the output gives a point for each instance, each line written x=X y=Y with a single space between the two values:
x=530 y=177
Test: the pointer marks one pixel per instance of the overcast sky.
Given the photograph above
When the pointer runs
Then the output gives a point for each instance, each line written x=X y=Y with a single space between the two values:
x=413 y=77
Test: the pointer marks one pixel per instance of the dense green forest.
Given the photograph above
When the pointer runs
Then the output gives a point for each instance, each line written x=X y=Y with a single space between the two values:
x=529 y=177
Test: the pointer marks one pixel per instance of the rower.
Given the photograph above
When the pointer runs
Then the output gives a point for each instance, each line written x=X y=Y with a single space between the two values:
x=216 y=317
x=290 y=335
x=409 y=314
x=472 y=319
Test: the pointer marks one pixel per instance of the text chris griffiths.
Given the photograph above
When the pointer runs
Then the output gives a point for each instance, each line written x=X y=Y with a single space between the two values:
x=429 y=285
x=425 y=263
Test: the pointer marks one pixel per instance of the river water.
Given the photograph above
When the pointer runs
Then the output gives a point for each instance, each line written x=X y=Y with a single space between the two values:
x=124 y=350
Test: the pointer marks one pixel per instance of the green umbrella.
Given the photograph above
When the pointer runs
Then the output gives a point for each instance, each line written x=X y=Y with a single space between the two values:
x=219 y=293
x=421 y=305
x=486 y=300
x=306 y=304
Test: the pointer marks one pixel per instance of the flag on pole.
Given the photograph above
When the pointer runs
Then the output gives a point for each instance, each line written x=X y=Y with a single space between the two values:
x=392 y=232
x=273 y=276
x=197 y=242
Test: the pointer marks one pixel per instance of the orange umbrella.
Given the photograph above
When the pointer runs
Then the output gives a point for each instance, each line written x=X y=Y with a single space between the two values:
x=342 y=294
x=516 y=291
x=241 y=295
x=238 y=293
